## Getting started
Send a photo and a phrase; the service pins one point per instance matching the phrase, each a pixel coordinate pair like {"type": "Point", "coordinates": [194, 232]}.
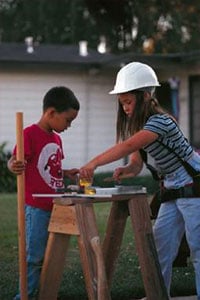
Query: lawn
{"type": "Point", "coordinates": [127, 282]}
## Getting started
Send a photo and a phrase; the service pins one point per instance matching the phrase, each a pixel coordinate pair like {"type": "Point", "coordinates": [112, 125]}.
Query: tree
{"type": "Point", "coordinates": [153, 26]}
{"type": "Point", "coordinates": [150, 26]}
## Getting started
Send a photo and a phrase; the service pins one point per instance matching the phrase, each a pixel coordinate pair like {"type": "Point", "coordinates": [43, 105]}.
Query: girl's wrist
{"type": "Point", "coordinates": [92, 164]}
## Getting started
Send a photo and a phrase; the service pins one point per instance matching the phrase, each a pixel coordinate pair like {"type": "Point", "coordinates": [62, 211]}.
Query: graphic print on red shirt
{"type": "Point", "coordinates": [43, 174]}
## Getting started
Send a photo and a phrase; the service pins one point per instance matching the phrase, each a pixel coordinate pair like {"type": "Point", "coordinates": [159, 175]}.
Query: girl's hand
{"type": "Point", "coordinates": [119, 172]}
{"type": "Point", "coordinates": [87, 172]}
{"type": "Point", "coordinates": [132, 169]}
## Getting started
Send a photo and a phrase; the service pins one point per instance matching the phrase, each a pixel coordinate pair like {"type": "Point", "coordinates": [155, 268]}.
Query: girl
{"type": "Point", "coordinates": [143, 124]}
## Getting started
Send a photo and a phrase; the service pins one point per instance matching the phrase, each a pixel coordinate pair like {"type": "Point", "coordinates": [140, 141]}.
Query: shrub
{"type": "Point", "coordinates": [7, 179]}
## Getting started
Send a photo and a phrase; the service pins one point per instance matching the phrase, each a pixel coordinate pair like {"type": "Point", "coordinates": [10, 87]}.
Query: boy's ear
{"type": "Point", "coordinates": [51, 111]}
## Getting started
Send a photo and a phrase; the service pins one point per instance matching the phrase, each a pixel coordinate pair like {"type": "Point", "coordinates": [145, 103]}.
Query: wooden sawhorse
{"type": "Point", "coordinates": [76, 216]}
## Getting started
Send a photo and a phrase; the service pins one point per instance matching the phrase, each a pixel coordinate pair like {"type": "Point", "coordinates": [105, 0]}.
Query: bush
{"type": "Point", "coordinates": [7, 179]}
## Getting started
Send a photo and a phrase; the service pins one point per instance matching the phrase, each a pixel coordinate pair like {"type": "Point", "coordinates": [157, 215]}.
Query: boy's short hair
{"type": "Point", "coordinates": [61, 98]}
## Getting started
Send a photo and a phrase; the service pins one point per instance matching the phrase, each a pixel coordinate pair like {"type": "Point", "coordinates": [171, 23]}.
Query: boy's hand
{"type": "Point", "coordinates": [16, 166]}
{"type": "Point", "coordinates": [71, 174]}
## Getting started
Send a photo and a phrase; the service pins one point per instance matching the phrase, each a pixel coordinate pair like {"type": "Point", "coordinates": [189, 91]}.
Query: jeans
{"type": "Point", "coordinates": [37, 221]}
{"type": "Point", "coordinates": [174, 218]}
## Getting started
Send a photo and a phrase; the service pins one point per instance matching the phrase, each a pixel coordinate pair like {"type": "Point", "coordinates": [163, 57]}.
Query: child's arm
{"type": "Point", "coordinates": [15, 166]}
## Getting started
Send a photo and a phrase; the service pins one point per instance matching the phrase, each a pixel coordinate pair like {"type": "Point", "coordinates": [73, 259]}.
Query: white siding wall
{"type": "Point", "coordinates": [94, 129]}
{"type": "Point", "coordinates": [91, 133]}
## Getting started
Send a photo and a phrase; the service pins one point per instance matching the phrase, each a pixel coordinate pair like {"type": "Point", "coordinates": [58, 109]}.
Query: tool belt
{"type": "Point", "coordinates": [187, 191]}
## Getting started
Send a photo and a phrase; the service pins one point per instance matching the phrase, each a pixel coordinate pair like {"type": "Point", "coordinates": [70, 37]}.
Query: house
{"type": "Point", "coordinates": [26, 73]}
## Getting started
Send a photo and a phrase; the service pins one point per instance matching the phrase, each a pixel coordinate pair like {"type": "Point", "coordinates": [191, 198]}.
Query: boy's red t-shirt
{"type": "Point", "coordinates": [43, 173]}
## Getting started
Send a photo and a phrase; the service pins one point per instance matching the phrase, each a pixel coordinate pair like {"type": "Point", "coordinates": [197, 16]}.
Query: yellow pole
{"type": "Point", "coordinates": [21, 209]}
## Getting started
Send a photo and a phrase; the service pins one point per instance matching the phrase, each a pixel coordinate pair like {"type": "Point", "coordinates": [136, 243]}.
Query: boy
{"type": "Point", "coordinates": [43, 174]}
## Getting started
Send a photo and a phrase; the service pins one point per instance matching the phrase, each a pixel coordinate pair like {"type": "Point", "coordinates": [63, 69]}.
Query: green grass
{"type": "Point", "coordinates": [127, 281]}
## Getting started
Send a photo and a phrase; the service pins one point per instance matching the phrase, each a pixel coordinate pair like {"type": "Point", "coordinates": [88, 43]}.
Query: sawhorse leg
{"type": "Point", "coordinates": [150, 268]}
{"type": "Point", "coordinates": [91, 254]}
{"type": "Point", "coordinates": [139, 211]}
{"type": "Point", "coordinates": [74, 220]}
{"type": "Point", "coordinates": [53, 265]}
{"type": "Point", "coordinates": [114, 235]}
{"type": "Point", "coordinates": [61, 226]}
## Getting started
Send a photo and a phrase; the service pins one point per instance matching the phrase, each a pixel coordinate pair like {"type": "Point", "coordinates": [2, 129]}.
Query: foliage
{"type": "Point", "coordinates": [46, 21]}
{"type": "Point", "coordinates": [155, 31]}
{"type": "Point", "coordinates": [152, 26]}
{"type": "Point", "coordinates": [7, 179]}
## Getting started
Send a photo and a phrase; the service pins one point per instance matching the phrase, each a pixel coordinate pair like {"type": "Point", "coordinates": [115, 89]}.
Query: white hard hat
{"type": "Point", "coordinates": [134, 76]}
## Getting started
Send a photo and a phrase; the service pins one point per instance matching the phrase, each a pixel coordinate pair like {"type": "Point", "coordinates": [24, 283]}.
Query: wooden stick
{"type": "Point", "coordinates": [102, 285]}
{"type": "Point", "coordinates": [21, 209]}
